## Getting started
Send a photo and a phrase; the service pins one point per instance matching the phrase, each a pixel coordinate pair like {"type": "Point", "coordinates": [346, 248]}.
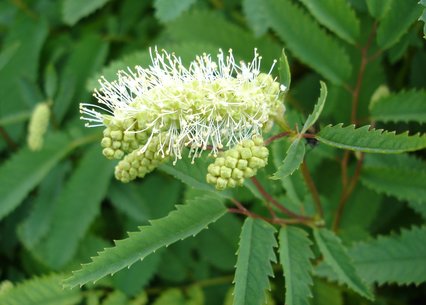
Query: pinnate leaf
{"type": "Point", "coordinates": [186, 220]}
{"type": "Point", "coordinates": [407, 106]}
{"type": "Point", "coordinates": [370, 140]}
{"type": "Point", "coordinates": [293, 159]}
{"type": "Point", "coordinates": [74, 10]}
{"type": "Point", "coordinates": [336, 256]}
{"type": "Point", "coordinates": [395, 23]}
{"type": "Point", "coordinates": [45, 290]}
{"type": "Point", "coordinates": [295, 255]}
{"type": "Point", "coordinates": [337, 16]}
{"type": "Point", "coordinates": [393, 259]}
{"type": "Point", "coordinates": [25, 169]}
{"type": "Point", "coordinates": [166, 10]}
{"type": "Point", "coordinates": [308, 41]}
{"type": "Point", "coordinates": [255, 254]}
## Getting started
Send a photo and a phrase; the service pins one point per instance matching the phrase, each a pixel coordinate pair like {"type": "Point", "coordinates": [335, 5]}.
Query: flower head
{"type": "Point", "coordinates": [212, 104]}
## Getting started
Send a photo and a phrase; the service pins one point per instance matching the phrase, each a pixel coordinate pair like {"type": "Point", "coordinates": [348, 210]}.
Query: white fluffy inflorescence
{"type": "Point", "coordinates": [212, 104]}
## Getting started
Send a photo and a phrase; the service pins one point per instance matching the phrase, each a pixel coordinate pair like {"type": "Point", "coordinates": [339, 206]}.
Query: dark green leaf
{"type": "Point", "coordinates": [378, 8]}
{"type": "Point", "coordinates": [293, 159]}
{"type": "Point", "coordinates": [308, 41]}
{"type": "Point", "coordinates": [295, 255]}
{"type": "Point", "coordinates": [370, 140]}
{"type": "Point", "coordinates": [256, 15]}
{"type": "Point", "coordinates": [167, 11]}
{"type": "Point", "coordinates": [335, 256]}
{"type": "Point", "coordinates": [74, 10]}
{"type": "Point", "coordinates": [319, 106]}
{"type": "Point", "coordinates": [255, 254]}
{"type": "Point", "coordinates": [187, 220]}
{"type": "Point", "coordinates": [336, 15]}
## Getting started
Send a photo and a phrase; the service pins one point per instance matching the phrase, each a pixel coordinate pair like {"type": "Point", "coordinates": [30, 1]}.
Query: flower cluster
{"type": "Point", "coordinates": [211, 105]}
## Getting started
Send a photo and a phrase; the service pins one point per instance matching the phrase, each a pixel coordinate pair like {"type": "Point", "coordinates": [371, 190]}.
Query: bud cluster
{"type": "Point", "coordinates": [234, 165]}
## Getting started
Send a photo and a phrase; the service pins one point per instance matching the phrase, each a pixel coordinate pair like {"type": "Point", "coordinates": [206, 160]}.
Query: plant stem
{"type": "Point", "coordinates": [277, 137]}
{"type": "Point", "coordinates": [312, 188]}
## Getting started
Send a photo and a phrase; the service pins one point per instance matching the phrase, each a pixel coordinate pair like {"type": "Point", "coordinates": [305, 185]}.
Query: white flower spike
{"type": "Point", "coordinates": [212, 104]}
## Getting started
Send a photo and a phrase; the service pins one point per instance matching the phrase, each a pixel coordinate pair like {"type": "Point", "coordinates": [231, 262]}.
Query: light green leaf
{"type": "Point", "coordinates": [401, 176]}
{"type": "Point", "coordinates": [308, 41]}
{"type": "Point", "coordinates": [293, 159]}
{"type": "Point", "coordinates": [295, 255]}
{"type": "Point", "coordinates": [45, 290]}
{"type": "Point", "coordinates": [378, 8]}
{"type": "Point", "coordinates": [393, 259]}
{"type": "Point", "coordinates": [116, 298]}
{"type": "Point", "coordinates": [337, 16]}
{"type": "Point", "coordinates": [256, 15]}
{"type": "Point", "coordinates": [185, 221]}
{"type": "Point", "coordinates": [255, 254]}
{"type": "Point", "coordinates": [406, 106]}
{"type": "Point", "coordinates": [171, 296]}
{"type": "Point", "coordinates": [326, 294]}
{"type": "Point", "coordinates": [74, 10]}
{"type": "Point", "coordinates": [25, 169]}
{"type": "Point", "coordinates": [80, 200]}
{"type": "Point", "coordinates": [166, 10]}
{"type": "Point", "coordinates": [370, 140]}
{"type": "Point", "coordinates": [336, 257]}
{"type": "Point", "coordinates": [319, 106]}
{"type": "Point", "coordinates": [400, 16]}
{"type": "Point", "coordinates": [284, 70]}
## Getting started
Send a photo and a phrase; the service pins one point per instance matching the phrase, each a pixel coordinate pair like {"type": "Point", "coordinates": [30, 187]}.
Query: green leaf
{"type": "Point", "coordinates": [257, 18]}
{"type": "Point", "coordinates": [406, 106]}
{"type": "Point", "coordinates": [337, 16]}
{"type": "Point", "coordinates": [116, 298]}
{"type": "Point", "coordinates": [400, 16]}
{"type": "Point", "coordinates": [401, 176]}
{"type": "Point", "coordinates": [7, 53]}
{"type": "Point", "coordinates": [80, 199]}
{"type": "Point", "coordinates": [74, 10]}
{"type": "Point", "coordinates": [284, 70]}
{"type": "Point", "coordinates": [295, 255]}
{"type": "Point", "coordinates": [255, 254]}
{"type": "Point", "coordinates": [45, 290]}
{"type": "Point", "coordinates": [393, 259]}
{"type": "Point", "coordinates": [335, 256]}
{"type": "Point", "coordinates": [378, 8]}
{"type": "Point", "coordinates": [326, 294]}
{"type": "Point", "coordinates": [423, 17]}
{"type": "Point", "coordinates": [50, 81]}
{"type": "Point", "coordinates": [319, 106]}
{"type": "Point", "coordinates": [185, 221]}
{"type": "Point", "coordinates": [166, 11]}
{"type": "Point", "coordinates": [293, 159]}
{"type": "Point", "coordinates": [370, 140]}
{"type": "Point", "coordinates": [25, 169]}
{"type": "Point", "coordinates": [308, 41]}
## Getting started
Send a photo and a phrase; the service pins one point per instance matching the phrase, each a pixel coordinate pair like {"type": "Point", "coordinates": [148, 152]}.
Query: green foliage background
{"type": "Point", "coordinates": [60, 205]}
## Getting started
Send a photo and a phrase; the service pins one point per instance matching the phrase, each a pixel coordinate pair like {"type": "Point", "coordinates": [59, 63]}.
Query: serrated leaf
{"type": "Point", "coordinates": [166, 11]}
{"type": "Point", "coordinates": [335, 255]}
{"type": "Point", "coordinates": [80, 199]}
{"type": "Point", "coordinates": [308, 41]}
{"type": "Point", "coordinates": [255, 254]}
{"type": "Point", "coordinates": [185, 221]}
{"type": "Point", "coordinates": [293, 159]}
{"type": "Point", "coordinates": [400, 16]}
{"type": "Point", "coordinates": [337, 16]}
{"type": "Point", "coordinates": [284, 71]}
{"type": "Point", "coordinates": [74, 10]}
{"type": "Point", "coordinates": [295, 255]}
{"type": "Point", "coordinates": [45, 290]}
{"type": "Point", "coordinates": [370, 140]}
{"type": "Point", "coordinates": [407, 106]}
{"type": "Point", "coordinates": [393, 259]}
{"type": "Point", "coordinates": [25, 169]}
{"type": "Point", "coordinates": [378, 8]}
{"type": "Point", "coordinates": [256, 15]}
{"type": "Point", "coordinates": [401, 176]}
{"type": "Point", "coordinates": [319, 106]}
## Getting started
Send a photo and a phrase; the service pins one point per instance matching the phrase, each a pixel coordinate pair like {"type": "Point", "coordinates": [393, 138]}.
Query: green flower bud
{"type": "Point", "coordinates": [38, 126]}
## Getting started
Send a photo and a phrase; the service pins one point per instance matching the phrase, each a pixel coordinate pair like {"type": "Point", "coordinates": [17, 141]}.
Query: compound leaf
{"type": "Point", "coordinates": [295, 255]}
{"type": "Point", "coordinates": [186, 220]}
{"type": "Point", "coordinates": [408, 106]}
{"type": "Point", "coordinates": [255, 254]}
{"type": "Point", "coordinates": [308, 41]}
{"type": "Point", "coordinates": [337, 16]}
{"type": "Point", "coordinates": [336, 257]}
{"type": "Point", "coordinates": [370, 140]}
